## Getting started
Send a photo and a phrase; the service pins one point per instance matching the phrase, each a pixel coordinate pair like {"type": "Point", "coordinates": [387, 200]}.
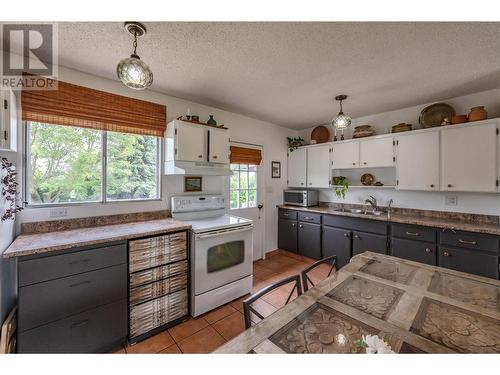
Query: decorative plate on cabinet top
{"type": "Point", "coordinates": [434, 114]}
{"type": "Point", "coordinates": [320, 134]}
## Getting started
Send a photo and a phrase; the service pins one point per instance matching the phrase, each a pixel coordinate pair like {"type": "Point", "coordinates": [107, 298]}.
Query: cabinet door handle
{"type": "Point", "coordinates": [285, 214]}
{"type": "Point", "coordinates": [427, 250]}
{"type": "Point", "coordinates": [308, 218]}
{"type": "Point", "coordinates": [346, 235]}
{"type": "Point", "coordinates": [353, 163]}
{"type": "Point", "coordinates": [365, 163]}
{"type": "Point", "coordinates": [301, 226]}
{"type": "Point", "coordinates": [302, 183]}
{"type": "Point", "coordinates": [467, 242]}
{"type": "Point", "coordinates": [413, 234]}
{"type": "Point", "coordinates": [293, 225]}
{"type": "Point", "coordinates": [356, 236]}
{"type": "Point", "coordinates": [432, 185]}
{"type": "Point", "coordinates": [200, 156]}
{"type": "Point", "coordinates": [446, 254]}
{"type": "Point", "coordinates": [215, 156]}
{"type": "Point", "coordinates": [79, 324]}
{"type": "Point", "coordinates": [450, 185]}
{"type": "Point", "coordinates": [80, 283]}
{"type": "Point", "coordinates": [78, 261]}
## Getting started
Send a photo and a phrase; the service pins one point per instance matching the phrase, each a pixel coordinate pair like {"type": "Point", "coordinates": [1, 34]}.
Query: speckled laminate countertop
{"type": "Point", "coordinates": [408, 218]}
{"type": "Point", "coordinates": [38, 243]}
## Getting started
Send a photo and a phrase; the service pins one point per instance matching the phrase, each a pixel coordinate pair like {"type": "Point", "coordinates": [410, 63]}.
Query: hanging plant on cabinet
{"type": "Point", "coordinates": [9, 189]}
{"type": "Point", "coordinates": [294, 142]}
{"type": "Point", "coordinates": [341, 184]}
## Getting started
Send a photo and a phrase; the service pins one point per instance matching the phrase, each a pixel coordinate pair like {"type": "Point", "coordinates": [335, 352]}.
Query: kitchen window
{"type": "Point", "coordinates": [69, 164]}
{"type": "Point", "coordinates": [243, 186]}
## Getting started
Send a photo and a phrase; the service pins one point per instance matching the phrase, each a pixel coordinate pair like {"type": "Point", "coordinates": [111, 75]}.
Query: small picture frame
{"type": "Point", "coordinates": [275, 169]}
{"type": "Point", "coordinates": [192, 184]}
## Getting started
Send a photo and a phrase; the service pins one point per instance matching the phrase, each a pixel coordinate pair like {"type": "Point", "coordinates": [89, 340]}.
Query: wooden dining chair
{"type": "Point", "coordinates": [306, 280]}
{"type": "Point", "coordinates": [247, 304]}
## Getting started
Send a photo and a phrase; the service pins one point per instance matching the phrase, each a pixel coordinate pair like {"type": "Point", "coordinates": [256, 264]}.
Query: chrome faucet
{"type": "Point", "coordinates": [372, 201]}
{"type": "Point", "coordinates": [389, 208]}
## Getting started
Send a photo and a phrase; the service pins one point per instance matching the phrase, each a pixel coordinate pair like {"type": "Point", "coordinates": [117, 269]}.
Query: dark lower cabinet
{"type": "Point", "coordinates": [470, 261]}
{"type": "Point", "coordinates": [362, 242]}
{"type": "Point", "coordinates": [287, 235]}
{"type": "Point", "coordinates": [309, 240]}
{"type": "Point", "coordinates": [418, 251]}
{"type": "Point", "coordinates": [336, 241]}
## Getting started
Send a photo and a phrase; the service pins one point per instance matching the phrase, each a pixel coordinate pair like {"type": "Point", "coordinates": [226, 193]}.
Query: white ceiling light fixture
{"type": "Point", "coordinates": [132, 71]}
{"type": "Point", "coordinates": [342, 120]}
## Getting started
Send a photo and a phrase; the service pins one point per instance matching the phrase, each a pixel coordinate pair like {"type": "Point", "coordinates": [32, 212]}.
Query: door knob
{"type": "Point", "coordinates": [260, 206]}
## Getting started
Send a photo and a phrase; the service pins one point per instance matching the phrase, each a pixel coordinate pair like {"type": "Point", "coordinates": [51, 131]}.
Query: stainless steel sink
{"type": "Point", "coordinates": [359, 211]}
{"type": "Point", "coordinates": [374, 213]}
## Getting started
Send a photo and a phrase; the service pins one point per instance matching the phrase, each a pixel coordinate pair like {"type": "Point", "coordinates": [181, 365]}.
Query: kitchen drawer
{"type": "Point", "coordinates": [308, 217]}
{"type": "Point", "coordinates": [156, 251]}
{"type": "Point", "coordinates": [56, 299]}
{"type": "Point", "coordinates": [470, 240]}
{"type": "Point", "coordinates": [55, 266]}
{"type": "Point", "coordinates": [287, 214]}
{"type": "Point", "coordinates": [92, 331]}
{"type": "Point", "coordinates": [157, 289]}
{"type": "Point", "coordinates": [414, 232]}
{"type": "Point", "coordinates": [362, 242]}
{"type": "Point", "coordinates": [155, 313]}
{"type": "Point", "coordinates": [365, 225]}
{"type": "Point", "coordinates": [469, 261]}
{"type": "Point", "coordinates": [418, 251]}
{"type": "Point", "coordinates": [158, 273]}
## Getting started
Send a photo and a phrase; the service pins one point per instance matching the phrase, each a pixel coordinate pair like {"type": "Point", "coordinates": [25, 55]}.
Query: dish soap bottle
{"type": "Point", "coordinates": [211, 120]}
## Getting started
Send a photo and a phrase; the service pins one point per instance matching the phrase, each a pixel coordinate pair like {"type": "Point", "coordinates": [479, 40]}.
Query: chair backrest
{"type": "Point", "coordinates": [247, 304]}
{"type": "Point", "coordinates": [306, 280]}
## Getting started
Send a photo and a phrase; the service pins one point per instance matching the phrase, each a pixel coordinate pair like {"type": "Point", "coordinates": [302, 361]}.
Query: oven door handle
{"type": "Point", "coordinates": [224, 231]}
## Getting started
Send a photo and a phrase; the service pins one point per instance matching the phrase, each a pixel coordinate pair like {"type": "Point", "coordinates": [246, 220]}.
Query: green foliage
{"type": "Point", "coordinates": [341, 185]}
{"type": "Point", "coordinates": [294, 142]}
{"type": "Point", "coordinates": [66, 165]}
{"type": "Point", "coordinates": [361, 343]}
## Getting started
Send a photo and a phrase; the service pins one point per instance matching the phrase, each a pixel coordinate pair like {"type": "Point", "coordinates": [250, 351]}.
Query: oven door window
{"type": "Point", "coordinates": [225, 255]}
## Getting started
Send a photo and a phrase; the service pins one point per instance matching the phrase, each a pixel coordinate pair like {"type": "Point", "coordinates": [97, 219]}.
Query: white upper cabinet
{"type": "Point", "coordinates": [297, 168]}
{"type": "Point", "coordinates": [345, 155]}
{"type": "Point", "coordinates": [8, 121]}
{"type": "Point", "coordinates": [189, 142]}
{"type": "Point", "coordinates": [218, 146]}
{"type": "Point", "coordinates": [318, 166]}
{"type": "Point", "coordinates": [376, 153]}
{"type": "Point", "coordinates": [418, 161]}
{"type": "Point", "coordinates": [469, 158]}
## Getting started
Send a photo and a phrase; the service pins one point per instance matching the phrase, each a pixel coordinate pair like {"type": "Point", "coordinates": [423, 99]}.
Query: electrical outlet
{"type": "Point", "coordinates": [451, 200]}
{"type": "Point", "coordinates": [58, 212]}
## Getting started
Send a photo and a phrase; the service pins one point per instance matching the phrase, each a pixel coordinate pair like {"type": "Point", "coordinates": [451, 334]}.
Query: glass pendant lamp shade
{"type": "Point", "coordinates": [342, 121]}
{"type": "Point", "coordinates": [134, 73]}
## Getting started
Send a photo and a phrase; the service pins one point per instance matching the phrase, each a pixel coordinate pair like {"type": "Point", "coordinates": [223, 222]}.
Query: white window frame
{"type": "Point", "coordinates": [104, 199]}
{"type": "Point", "coordinates": [247, 189]}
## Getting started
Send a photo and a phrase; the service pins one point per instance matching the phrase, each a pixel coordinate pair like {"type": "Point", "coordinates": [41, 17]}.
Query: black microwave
{"type": "Point", "coordinates": [304, 198]}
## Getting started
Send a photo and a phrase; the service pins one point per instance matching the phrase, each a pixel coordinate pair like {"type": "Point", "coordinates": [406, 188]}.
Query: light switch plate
{"type": "Point", "coordinates": [58, 212]}
{"type": "Point", "coordinates": [451, 200]}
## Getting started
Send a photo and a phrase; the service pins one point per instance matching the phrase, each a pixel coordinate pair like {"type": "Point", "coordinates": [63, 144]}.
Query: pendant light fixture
{"type": "Point", "coordinates": [132, 71]}
{"type": "Point", "coordinates": [342, 121]}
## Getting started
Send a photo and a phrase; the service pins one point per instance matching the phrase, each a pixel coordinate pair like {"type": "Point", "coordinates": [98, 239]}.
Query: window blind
{"type": "Point", "coordinates": [243, 155]}
{"type": "Point", "coordinates": [73, 105]}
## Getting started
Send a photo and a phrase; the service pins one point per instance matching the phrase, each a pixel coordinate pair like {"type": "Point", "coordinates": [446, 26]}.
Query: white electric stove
{"type": "Point", "coordinates": [221, 251]}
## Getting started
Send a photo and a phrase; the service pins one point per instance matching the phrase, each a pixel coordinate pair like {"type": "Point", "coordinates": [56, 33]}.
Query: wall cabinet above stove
{"type": "Point", "coordinates": [196, 149]}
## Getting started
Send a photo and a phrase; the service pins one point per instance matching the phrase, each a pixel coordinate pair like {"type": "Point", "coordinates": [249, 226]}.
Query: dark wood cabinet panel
{"type": "Point", "coordinates": [336, 241]}
{"type": "Point", "coordinates": [309, 240]}
{"type": "Point", "coordinates": [470, 261]}
{"type": "Point", "coordinates": [418, 251]}
{"type": "Point", "coordinates": [362, 242]}
{"type": "Point", "coordinates": [414, 232]}
{"type": "Point", "coordinates": [287, 235]}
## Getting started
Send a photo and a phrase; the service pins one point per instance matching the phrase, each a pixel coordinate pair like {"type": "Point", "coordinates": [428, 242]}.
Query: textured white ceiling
{"type": "Point", "coordinates": [288, 73]}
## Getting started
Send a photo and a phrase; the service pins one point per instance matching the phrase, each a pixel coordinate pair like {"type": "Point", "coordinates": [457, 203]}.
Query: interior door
{"type": "Point", "coordinates": [297, 168]}
{"type": "Point", "coordinates": [418, 161]}
{"type": "Point", "coordinates": [190, 143]}
{"type": "Point", "coordinates": [376, 153]}
{"type": "Point", "coordinates": [247, 199]}
{"type": "Point", "coordinates": [469, 158]}
{"type": "Point", "coordinates": [218, 146]}
{"type": "Point", "coordinates": [318, 166]}
{"type": "Point", "coordinates": [345, 155]}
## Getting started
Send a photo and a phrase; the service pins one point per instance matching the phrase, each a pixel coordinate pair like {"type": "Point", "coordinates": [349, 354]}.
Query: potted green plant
{"type": "Point", "coordinates": [340, 186]}
{"type": "Point", "coordinates": [294, 142]}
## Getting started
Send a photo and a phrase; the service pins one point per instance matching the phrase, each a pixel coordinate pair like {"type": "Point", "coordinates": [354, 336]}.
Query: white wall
{"type": "Point", "coordinates": [241, 128]}
{"type": "Point", "coordinates": [482, 203]}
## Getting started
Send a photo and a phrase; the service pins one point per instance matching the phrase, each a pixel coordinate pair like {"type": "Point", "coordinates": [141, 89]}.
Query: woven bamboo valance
{"type": "Point", "coordinates": [74, 105]}
{"type": "Point", "coordinates": [243, 155]}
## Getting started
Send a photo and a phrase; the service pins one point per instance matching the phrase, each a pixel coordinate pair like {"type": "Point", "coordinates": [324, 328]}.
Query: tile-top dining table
{"type": "Point", "coordinates": [414, 307]}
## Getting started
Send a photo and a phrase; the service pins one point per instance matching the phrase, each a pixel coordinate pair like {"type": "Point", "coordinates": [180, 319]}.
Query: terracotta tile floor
{"type": "Point", "coordinates": [209, 331]}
